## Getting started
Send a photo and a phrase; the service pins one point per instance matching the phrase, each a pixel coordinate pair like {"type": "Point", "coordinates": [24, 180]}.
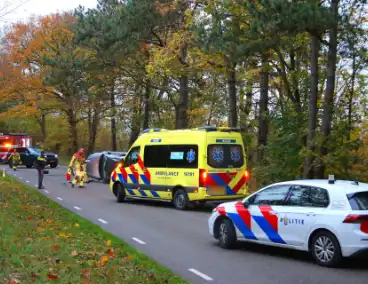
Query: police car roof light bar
{"type": "Point", "coordinates": [331, 179]}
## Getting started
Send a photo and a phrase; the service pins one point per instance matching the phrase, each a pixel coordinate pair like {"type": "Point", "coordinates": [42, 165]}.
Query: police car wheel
{"type": "Point", "coordinates": [181, 200]}
{"type": "Point", "coordinates": [325, 249]}
{"type": "Point", "coordinates": [120, 193]}
{"type": "Point", "coordinates": [226, 234]}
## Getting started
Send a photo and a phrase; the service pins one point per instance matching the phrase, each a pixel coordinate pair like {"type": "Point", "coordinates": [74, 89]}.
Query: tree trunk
{"type": "Point", "coordinates": [136, 115]}
{"type": "Point", "coordinates": [146, 114]}
{"type": "Point", "coordinates": [182, 107]}
{"type": "Point", "coordinates": [263, 108]}
{"type": "Point", "coordinates": [312, 119]}
{"type": "Point", "coordinates": [231, 83]}
{"type": "Point", "coordinates": [113, 120]}
{"type": "Point", "coordinates": [42, 122]}
{"type": "Point", "coordinates": [330, 90]}
{"type": "Point", "coordinates": [72, 120]}
{"type": "Point", "coordinates": [93, 122]}
{"type": "Point", "coordinates": [351, 96]}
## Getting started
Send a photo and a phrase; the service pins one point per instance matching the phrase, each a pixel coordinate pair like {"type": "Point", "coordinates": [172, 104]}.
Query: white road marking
{"type": "Point", "coordinates": [27, 181]}
{"type": "Point", "coordinates": [139, 241]}
{"type": "Point", "coordinates": [20, 177]}
{"type": "Point", "coordinates": [46, 191]}
{"type": "Point", "coordinates": [102, 221]}
{"type": "Point", "coordinates": [59, 198]}
{"type": "Point", "coordinates": [78, 208]}
{"type": "Point", "coordinates": [36, 185]}
{"type": "Point", "coordinates": [200, 274]}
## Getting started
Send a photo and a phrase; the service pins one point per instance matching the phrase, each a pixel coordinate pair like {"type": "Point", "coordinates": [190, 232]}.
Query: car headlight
{"type": "Point", "coordinates": [56, 156]}
{"type": "Point", "coordinates": [214, 210]}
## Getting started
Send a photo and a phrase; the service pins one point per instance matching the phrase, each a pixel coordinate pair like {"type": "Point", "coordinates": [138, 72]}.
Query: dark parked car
{"type": "Point", "coordinates": [100, 165]}
{"type": "Point", "coordinates": [29, 156]}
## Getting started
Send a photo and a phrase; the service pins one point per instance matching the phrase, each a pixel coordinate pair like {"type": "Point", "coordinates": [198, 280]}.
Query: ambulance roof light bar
{"type": "Point", "coordinates": [223, 129]}
{"type": "Point", "coordinates": [331, 179]}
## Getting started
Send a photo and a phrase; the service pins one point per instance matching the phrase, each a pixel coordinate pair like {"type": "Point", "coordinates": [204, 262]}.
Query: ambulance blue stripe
{"type": "Point", "coordinates": [269, 231]}
{"type": "Point", "coordinates": [217, 179]}
{"type": "Point", "coordinates": [132, 177]}
{"type": "Point", "coordinates": [243, 228]}
{"type": "Point", "coordinates": [121, 178]}
{"type": "Point", "coordinates": [142, 193]}
{"type": "Point", "coordinates": [131, 192]}
{"type": "Point", "coordinates": [155, 194]}
{"type": "Point", "coordinates": [145, 179]}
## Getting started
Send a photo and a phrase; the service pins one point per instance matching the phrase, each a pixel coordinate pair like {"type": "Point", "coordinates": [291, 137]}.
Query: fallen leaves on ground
{"type": "Point", "coordinates": [44, 243]}
{"type": "Point", "coordinates": [52, 276]}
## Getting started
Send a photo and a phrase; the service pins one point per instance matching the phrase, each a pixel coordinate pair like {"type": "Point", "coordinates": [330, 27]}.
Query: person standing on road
{"type": "Point", "coordinates": [78, 164]}
{"type": "Point", "coordinates": [40, 166]}
{"type": "Point", "coordinates": [14, 159]}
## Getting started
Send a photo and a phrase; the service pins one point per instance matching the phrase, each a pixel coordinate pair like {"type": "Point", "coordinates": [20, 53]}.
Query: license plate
{"type": "Point", "coordinates": [217, 190]}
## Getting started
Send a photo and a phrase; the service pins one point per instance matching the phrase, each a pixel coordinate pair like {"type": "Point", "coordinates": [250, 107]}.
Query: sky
{"type": "Point", "coordinates": [11, 13]}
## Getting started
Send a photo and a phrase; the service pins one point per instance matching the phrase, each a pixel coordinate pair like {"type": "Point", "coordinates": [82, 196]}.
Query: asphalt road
{"type": "Point", "coordinates": [180, 239]}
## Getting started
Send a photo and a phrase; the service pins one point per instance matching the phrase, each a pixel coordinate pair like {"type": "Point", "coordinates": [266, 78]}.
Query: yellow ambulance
{"type": "Point", "coordinates": [184, 167]}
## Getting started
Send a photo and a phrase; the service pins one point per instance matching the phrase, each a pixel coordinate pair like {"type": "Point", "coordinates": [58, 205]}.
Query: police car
{"type": "Point", "coordinates": [328, 218]}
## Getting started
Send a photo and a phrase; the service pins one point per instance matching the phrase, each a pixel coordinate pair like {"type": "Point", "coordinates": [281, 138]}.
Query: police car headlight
{"type": "Point", "coordinates": [214, 210]}
{"type": "Point", "coordinates": [56, 156]}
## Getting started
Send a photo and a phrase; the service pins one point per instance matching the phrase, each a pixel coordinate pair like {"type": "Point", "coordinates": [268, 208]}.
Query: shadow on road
{"type": "Point", "coordinates": [357, 263]}
{"type": "Point", "coordinates": [207, 208]}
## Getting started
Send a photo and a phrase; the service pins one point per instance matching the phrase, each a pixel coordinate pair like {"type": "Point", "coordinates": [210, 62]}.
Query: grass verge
{"type": "Point", "coordinates": [41, 242]}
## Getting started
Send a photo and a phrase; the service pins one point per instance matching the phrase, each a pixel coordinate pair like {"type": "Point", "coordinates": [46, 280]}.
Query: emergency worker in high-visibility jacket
{"type": "Point", "coordinates": [14, 159]}
{"type": "Point", "coordinates": [78, 164]}
{"type": "Point", "coordinates": [40, 166]}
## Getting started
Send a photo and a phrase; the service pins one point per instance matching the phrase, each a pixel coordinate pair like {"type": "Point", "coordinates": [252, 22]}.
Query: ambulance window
{"type": "Point", "coordinates": [132, 158]}
{"type": "Point", "coordinates": [183, 156]}
{"type": "Point", "coordinates": [156, 156]}
{"type": "Point", "coordinates": [225, 156]}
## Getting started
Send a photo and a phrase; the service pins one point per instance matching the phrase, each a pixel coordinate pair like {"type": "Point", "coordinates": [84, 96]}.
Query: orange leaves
{"type": "Point", "coordinates": [74, 253]}
{"type": "Point", "coordinates": [104, 259]}
{"type": "Point", "coordinates": [52, 276]}
{"type": "Point", "coordinates": [55, 247]}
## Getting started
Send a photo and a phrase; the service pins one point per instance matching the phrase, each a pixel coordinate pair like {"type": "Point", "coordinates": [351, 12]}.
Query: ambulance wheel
{"type": "Point", "coordinates": [226, 234]}
{"type": "Point", "coordinates": [120, 193]}
{"type": "Point", "coordinates": [181, 200]}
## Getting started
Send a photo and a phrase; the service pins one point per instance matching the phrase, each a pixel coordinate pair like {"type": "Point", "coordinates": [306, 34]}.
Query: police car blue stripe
{"type": "Point", "coordinates": [243, 228]}
{"type": "Point", "coordinates": [154, 193]}
{"type": "Point", "coordinates": [112, 179]}
{"type": "Point", "coordinates": [220, 181]}
{"type": "Point", "coordinates": [121, 177]}
{"type": "Point", "coordinates": [145, 180]}
{"type": "Point", "coordinates": [131, 192]}
{"type": "Point", "coordinates": [132, 177]}
{"type": "Point", "coordinates": [269, 231]}
{"type": "Point", "coordinates": [142, 193]}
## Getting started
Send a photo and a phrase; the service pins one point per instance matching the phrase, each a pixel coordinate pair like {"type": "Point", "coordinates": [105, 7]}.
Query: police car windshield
{"type": "Point", "coordinates": [225, 156]}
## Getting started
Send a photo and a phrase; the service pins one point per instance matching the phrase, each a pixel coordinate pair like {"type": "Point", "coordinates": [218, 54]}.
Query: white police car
{"type": "Point", "coordinates": [328, 218]}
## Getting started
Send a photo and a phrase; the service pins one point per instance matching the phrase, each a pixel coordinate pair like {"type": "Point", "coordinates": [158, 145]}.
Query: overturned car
{"type": "Point", "coordinates": [100, 165]}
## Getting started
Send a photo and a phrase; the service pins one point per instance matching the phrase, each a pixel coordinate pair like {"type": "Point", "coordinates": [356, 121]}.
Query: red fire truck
{"type": "Point", "coordinates": [9, 140]}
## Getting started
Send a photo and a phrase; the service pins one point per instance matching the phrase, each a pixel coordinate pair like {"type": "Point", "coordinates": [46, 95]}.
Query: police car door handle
{"type": "Point", "coordinates": [311, 214]}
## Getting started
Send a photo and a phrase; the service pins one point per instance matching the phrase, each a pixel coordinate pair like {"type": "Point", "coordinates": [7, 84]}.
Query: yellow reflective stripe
{"type": "Point", "coordinates": [41, 159]}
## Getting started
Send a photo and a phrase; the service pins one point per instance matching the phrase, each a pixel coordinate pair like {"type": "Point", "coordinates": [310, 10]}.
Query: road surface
{"type": "Point", "coordinates": [180, 240]}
